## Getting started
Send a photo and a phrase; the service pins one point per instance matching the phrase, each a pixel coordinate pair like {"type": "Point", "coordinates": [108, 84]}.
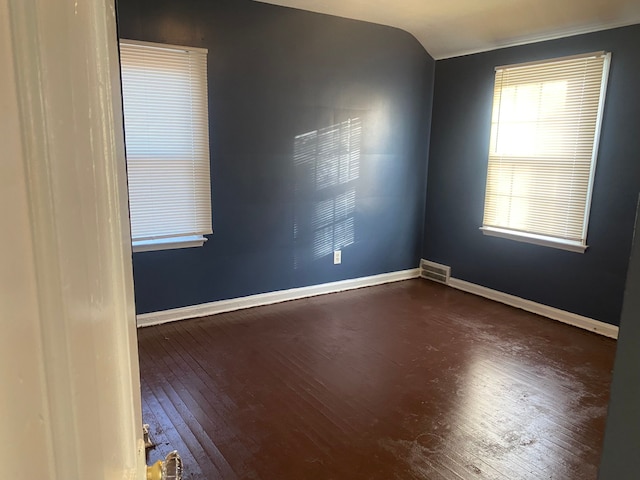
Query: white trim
{"type": "Point", "coordinates": [212, 308]}
{"type": "Point", "coordinates": [513, 66]}
{"type": "Point", "coordinates": [163, 46]}
{"type": "Point", "coordinates": [541, 38]}
{"type": "Point", "coordinates": [596, 140]}
{"type": "Point", "coordinates": [64, 61]}
{"type": "Point", "coordinates": [563, 316]}
{"type": "Point", "coordinates": [168, 243]}
{"type": "Point", "coordinates": [562, 244]}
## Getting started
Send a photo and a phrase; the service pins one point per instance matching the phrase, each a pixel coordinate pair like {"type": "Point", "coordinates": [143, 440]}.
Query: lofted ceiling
{"type": "Point", "coordinates": [449, 28]}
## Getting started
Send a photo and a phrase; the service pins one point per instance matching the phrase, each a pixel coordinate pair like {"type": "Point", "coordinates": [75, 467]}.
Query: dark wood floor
{"type": "Point", "coordinates": [411, 380]}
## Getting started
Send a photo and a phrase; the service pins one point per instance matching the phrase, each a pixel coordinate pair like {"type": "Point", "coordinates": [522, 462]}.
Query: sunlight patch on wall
{"type": "Point", "coordinates": [332, 222]}
{"type": "Point", "coordinates": [327, 162]}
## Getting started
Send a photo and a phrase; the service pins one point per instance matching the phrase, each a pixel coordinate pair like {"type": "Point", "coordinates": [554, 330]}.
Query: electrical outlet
{"type": "Point", "coordinates": [337, 257]}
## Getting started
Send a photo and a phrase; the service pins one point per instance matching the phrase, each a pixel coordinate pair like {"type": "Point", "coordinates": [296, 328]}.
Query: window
{"type": "Point", "coordinates": [166, 121]}
{"type": "Point", "coordinates": [543, 147]}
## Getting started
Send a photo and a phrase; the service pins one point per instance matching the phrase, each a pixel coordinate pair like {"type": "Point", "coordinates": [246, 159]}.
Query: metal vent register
{"type": "Point", "coordinates": [435, 271]}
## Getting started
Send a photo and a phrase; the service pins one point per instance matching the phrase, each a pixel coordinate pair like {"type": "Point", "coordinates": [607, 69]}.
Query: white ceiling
{"type": "Point", "coordinates": [449, 28]}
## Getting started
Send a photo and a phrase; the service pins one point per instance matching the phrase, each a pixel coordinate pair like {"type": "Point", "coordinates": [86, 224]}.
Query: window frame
{"type": "Point", "coordinates": [541, 239]}
{"type": "Point", "coordinates": [164, 242]}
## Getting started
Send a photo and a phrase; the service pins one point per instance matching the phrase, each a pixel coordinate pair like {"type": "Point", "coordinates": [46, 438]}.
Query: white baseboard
{"type": "Point", "coordinates": [563, 316]}
{"type": "Point", "coordinates": [212, 308]}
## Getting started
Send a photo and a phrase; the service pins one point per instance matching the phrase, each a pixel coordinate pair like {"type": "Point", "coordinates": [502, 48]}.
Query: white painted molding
{"type": "Point", "coordinates": [68, 184]}
{"type": "Point", "coordinates": [563, 316]}
{"type": "Point", "coordinates": [212, 308]}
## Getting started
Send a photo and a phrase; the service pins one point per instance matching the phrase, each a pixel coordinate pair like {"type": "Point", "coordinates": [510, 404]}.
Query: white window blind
{"type": "Point", "coordinates": [543, 147]}
{"type": "Point", "coordinates": [167, 140]}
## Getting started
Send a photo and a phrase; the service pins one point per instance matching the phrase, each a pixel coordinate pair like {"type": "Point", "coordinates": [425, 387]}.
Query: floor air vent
{"type": "Point", "coordinates": [435, 271]}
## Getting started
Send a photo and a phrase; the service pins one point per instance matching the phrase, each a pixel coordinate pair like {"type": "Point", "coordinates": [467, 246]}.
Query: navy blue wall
{"type": "Point", "coordinates": [589, 284]}
{"type": "Point", "coordinates": [275, 74]}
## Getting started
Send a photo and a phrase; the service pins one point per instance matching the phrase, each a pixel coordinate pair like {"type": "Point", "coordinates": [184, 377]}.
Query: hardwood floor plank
{"type": "Point", "coordinates": [411, 380]}
{"type": "Point", "coordinates": [174, 438]}
{"type": "Point", "coordinates": [197, 419]}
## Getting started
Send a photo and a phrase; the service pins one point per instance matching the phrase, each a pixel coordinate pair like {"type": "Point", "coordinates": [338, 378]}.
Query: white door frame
{"type": "Point", "coordinates": [69, 376]}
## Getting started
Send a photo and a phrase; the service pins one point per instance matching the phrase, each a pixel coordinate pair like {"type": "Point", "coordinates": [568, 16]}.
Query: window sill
{"type": "Point", "coordinates": [542, 240]}
{"type": "Point", "coordinates": [168, 243]}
